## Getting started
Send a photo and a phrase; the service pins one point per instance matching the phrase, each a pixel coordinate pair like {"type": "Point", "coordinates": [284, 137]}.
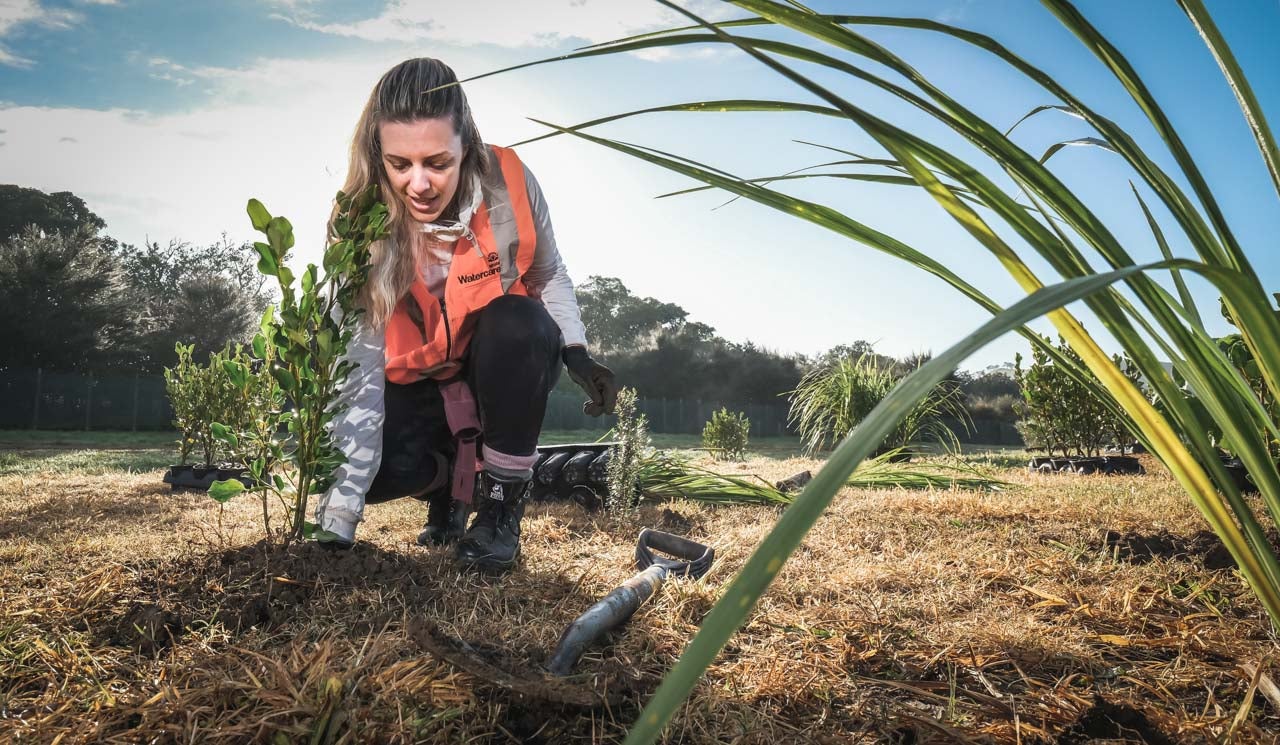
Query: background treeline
{"type": "Point", "coordinates": [76, 300]}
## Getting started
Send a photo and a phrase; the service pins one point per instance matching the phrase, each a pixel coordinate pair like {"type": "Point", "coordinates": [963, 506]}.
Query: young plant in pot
{"type": "Point", "coordinates": [180, 385]}
{"type": "Point", "coordinates": [199, 394]}
{"type": "Point", "coordinates": [1061, 414]}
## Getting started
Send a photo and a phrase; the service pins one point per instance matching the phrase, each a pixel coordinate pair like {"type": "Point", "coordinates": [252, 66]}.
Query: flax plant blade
{"type": "Point", "coordinates": [1221, 51]}
{"type": "Point", "coordinates": [849, 228]}
{"type": "Point", "coordinates": [720, 107]}
{"type": "Point", "coordinates": [1262, 339]}
{"type": "Point", "coordinates": [731, 610]}
{"type": "Point", "coordinates": [1188, 302]}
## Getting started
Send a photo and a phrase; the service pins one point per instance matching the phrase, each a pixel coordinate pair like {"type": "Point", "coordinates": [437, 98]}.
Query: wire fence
{"type": "Point", "coordinates": [40, 399]}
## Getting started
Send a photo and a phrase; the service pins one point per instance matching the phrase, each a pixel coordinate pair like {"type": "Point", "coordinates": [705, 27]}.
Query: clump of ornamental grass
{"type": "Point", "coordinates": [833, 398]}
{"type": "Point", "coordinates": [1027, 221]}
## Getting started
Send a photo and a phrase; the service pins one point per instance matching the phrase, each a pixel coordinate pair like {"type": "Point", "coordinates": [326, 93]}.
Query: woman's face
{"type": "Point", "coordinates": [423, 162]}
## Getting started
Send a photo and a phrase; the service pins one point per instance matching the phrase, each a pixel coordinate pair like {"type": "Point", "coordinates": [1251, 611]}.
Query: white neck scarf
{"type": "Point", "coordinates": [449, 231]}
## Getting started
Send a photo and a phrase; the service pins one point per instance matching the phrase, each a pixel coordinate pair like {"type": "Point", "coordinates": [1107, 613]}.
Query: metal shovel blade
{"type": "Point", "coordinates": [685, 558]}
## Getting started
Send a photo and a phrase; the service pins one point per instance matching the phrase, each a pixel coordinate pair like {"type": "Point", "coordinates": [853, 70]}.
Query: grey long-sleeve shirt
{"type": "Point", "coordinates": [357, 430]}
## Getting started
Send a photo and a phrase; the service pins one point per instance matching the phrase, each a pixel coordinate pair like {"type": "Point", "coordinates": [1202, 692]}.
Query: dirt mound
{"type": "Point", "coordinates": [1204, 545]}
{"type": "Point", "coordinates": [1114, 722]}
{"type": "Point", "coordinates": [260, 585]}
{"type": "Point", "coordinates": [147, 628]}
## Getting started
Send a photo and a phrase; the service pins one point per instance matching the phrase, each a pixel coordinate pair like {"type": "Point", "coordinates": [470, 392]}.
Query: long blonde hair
{"type": "Point", "coordinates": [407, 92]}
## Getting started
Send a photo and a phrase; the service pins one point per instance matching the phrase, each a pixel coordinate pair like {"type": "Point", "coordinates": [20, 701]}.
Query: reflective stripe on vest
{"type": "Point", "coordinates": [419, 341]}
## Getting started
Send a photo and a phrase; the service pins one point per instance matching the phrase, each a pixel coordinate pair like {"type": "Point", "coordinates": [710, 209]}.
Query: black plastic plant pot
{"type": "Point", "coordinates": [598, 471]}
{"type": "Point", "coordinates": [561, 468]}
{"type": "Point", "coordinates": [1239, 474]}
{"type": "Point", "coordinates": [575, 469]}
{"type": "Point", "coordinates": [1114, 465]}
{"type": "Point", "coordinates": [201, 478]}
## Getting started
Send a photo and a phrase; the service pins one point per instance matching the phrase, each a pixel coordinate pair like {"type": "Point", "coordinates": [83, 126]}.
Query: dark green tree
{"type": "Point", "coordinates": [617, 320]}
{"type": "Point", "coordinates": [64, 302]}
{"type": "Point", "coordinates": [185, 293]}
{"type": "Point", "coordinates": [60, 211]}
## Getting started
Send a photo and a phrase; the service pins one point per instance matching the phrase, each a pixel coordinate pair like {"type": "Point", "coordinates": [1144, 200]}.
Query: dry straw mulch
{"type": "Point", "coordinates": [1069, 609]}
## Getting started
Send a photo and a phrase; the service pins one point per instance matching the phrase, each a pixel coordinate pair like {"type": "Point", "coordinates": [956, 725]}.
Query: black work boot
{"type": "Point", "coordinates": [446, 520]}
{"type": "Point", "coordinates": [493, 540]}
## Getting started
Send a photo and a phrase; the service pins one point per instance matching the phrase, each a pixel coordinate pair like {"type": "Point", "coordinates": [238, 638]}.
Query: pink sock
{"type": "Point", "coordinates": [509, 466]}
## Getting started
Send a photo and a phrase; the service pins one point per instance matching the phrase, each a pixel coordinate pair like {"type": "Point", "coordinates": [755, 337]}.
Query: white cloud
{"type": "Point", "coordinates": [14, 13]}
{"type": "Point", "coordinates": [17, 13]}
{"type": "Point", "coordinates": [9, 59]}
{"type": "Point", "coordinates": [506, 23]}
{"type": "Point", "coordinates": [278, 130]}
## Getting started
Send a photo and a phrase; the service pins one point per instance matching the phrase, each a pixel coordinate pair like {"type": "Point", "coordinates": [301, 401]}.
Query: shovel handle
{"type": "Point", "coordinates": [614, 609]}
{"type": "Point", "coordinates": [691, 558]}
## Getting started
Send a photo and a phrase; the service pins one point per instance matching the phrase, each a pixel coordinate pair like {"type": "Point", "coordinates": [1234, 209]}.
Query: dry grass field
{"type": "Point", "coordinates": [1067, 609]}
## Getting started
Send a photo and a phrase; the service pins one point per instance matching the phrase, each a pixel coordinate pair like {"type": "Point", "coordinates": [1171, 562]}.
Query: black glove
{"type": "Point", "coordinates": [594, 378]}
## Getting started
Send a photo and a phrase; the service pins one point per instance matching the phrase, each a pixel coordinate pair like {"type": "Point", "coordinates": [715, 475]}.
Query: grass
{"type": "Point", "coordinates": [23, 439]}
{"type": "Point", "coordinates": [1041, 613]}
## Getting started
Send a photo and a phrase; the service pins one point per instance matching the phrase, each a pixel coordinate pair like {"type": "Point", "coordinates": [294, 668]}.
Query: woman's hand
{"type": "Point", "coordinates": [594, 378]}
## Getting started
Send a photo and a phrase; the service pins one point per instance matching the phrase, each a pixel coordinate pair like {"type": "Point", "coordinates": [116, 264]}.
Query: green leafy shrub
{"type": "Point", "coordinates": [301, 345]}
{"type": "Point", "coordinates": [181, 384]}
{"type": "Point", "coordinates": [199, 395]}
{"type": "Point", "coordinates": [833, 398]}
{"type": "Point", "coordinates": [725, 434]}
{"type": "Point", "coordinates": [1059, 413]}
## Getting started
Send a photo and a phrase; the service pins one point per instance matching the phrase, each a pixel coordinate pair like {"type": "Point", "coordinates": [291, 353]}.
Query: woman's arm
{"type": "Point", "coordinates": [547, 278]}
{"type": "Point", "coordinates": [357, 432]}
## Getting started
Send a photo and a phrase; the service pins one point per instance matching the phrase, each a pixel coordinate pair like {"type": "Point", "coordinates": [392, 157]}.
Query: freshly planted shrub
{"type": "Point", "coordinates": [632, 433]}
{"type": "Point", "coordinates": [301, 345]}
{"type": "Point", "coordinates": [725, 434]}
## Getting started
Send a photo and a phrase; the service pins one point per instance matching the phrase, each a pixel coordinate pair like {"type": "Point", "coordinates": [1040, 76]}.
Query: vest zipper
{"type": "Point", "coordinates": [448, 335]}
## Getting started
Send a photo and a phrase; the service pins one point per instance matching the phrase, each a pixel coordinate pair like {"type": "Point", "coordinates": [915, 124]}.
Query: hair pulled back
{"type": "Point", "coordinates": [421, 88]}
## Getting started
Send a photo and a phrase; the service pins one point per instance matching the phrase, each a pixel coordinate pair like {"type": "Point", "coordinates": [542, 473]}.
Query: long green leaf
{"type": "Point", "coordinates": [718, 107]}
{"type": "Point", "coordinates": [1188, 301]}
{"type": "Point", "coordinates": [768, 558]}
{"type": "Point", "coordinates": [1249, 106]}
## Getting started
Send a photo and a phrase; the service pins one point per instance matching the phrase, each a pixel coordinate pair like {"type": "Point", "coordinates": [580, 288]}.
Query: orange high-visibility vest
{"type": "Point", "coordinates": [424, 339]}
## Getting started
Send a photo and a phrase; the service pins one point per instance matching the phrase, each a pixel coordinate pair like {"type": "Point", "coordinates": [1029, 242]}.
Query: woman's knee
{"type": "Point", "coordinates": [514, 319]}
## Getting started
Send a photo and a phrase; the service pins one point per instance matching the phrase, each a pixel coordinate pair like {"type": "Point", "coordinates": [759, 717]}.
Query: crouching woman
{"type": "Point", "coordinates": [468, 314]}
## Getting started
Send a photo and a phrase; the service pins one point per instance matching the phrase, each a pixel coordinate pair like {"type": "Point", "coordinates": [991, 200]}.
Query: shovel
{"type": "Point", "coordinates": [684, 558]}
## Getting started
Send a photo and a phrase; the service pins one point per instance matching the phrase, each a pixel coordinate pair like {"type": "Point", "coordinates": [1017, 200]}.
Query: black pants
{"type": "Point", "coordinates": [512, 364]}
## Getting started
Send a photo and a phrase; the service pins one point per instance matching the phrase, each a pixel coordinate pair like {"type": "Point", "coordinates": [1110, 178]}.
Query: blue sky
{"type": "Point", "coordinates": [167, 116]}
